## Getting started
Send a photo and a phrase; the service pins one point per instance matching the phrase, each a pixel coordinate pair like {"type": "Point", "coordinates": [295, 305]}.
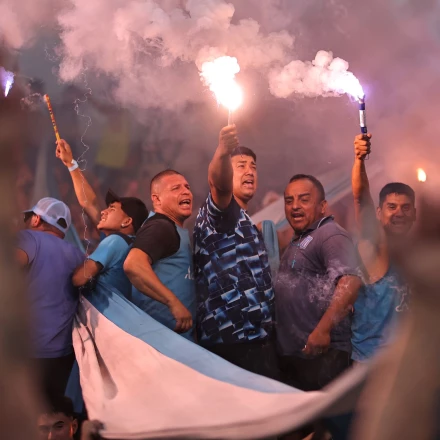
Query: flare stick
{"type": "Point", "coordinates": [362, 115]}
{"type": "Point", "coordinates": [52, 117]}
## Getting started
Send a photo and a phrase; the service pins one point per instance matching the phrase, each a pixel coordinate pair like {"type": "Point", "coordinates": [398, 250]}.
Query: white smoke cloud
{"type": "Point", "coordinates": [145, 45]}
{"type": "Point", "coordinates": [20, 20]}
{"type": "Point", "coordinates": [324, 76]}
{"type": "Point", "coordinates": [152, 50]}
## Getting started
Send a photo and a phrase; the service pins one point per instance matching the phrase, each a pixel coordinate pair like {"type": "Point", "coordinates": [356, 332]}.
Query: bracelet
{"type": "Point", "coordinates": [74, 165]}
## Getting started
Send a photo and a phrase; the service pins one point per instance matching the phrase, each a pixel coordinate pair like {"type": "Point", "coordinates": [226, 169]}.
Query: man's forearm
{"type": "Point", "coordinates": [85, 272]}
{"type": "Point", "coordinates": [344, 297]}
{"type": "Point", "coordinates": [86, 195]}
{"type": "Point", "coordinates": [220, 173]}
{"type": "Point", "coordinates": [364, 210]}
{"type": "Point", "coordinates": [360, 183]}
{"type": "Point", "coordinates": [146, 281]}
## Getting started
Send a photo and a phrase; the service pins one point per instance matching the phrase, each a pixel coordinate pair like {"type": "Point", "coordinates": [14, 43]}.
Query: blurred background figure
{"type": "Point", "coordinates": [58, 422]}
{"type": "Point", "coordinates": [49, 262]}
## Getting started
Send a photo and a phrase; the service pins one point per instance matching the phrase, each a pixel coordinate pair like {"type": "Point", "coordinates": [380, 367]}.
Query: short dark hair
{"type": "Point", "coordinates": [47, 227]}
{"type": "Point", "coordinates": [164, 173]}
{"type": "Point", "coordinates": [61, 405]}
{"type": "Point", "coordinates": [396, 188]}
{"type": "Point", "coordinates": [244, 151]}
{"type": "Point", "coordinates": [314, 180]}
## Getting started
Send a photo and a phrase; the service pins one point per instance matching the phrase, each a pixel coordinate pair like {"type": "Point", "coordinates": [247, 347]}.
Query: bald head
{"type": "Point", "coordinates": [156, 181]}
{"type": "Point", "coordinates": [171, 196]}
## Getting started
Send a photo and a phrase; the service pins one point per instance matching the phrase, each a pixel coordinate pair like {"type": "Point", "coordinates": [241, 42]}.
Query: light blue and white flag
{"type": "Point", "coordinates": [144, 381]}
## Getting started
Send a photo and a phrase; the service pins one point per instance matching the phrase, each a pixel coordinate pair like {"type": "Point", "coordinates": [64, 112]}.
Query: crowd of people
{"type": "Point", "coordinates": [326, 304]}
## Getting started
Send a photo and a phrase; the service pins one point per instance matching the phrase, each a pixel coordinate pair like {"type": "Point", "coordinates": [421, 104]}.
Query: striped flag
{"type": "Point", "coordinates": [144, 381]}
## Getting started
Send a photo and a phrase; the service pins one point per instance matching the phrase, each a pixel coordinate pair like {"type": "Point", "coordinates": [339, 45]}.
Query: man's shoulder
{"type": "Point", "coordinates": [115, 240]}
{"type": "Point", "coordinates": [43, 239]}
{"type": "Point", "coordinates": [30, 234]}
{"type": "Point", "coordinates": [210, 211]}
{"type": "Point", "coordinates": [157, 221]}
{"type": "Point", "coordinates": [330, 228]}
{"type": "Point", "coordinates": [112, 243]}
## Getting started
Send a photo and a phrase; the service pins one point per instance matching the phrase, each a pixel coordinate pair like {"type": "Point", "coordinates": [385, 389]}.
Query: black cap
{"type": "Point", "coordinates": [132, 206]}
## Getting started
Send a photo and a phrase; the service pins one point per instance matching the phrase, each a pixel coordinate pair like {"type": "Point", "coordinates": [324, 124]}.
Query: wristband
{"type": "Point", "coordinates": [74, 165]}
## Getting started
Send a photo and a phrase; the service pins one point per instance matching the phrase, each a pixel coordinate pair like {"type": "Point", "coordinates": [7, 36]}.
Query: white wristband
{"type": "Point", "coordinates": [74, 165]}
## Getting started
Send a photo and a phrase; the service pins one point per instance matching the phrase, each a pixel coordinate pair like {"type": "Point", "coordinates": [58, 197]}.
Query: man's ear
{"type": "Point", "coordinates": [36, 221]}
{"type": "Point", "coordinates": [155, 199]}
{"type": "Point", "coordinates": [378, 212]}
{"type": "Point", "coordinates": [324, 206]}
{"type": "Point", "coordinates": [127, 222]}
{"type": "Point", "coordinates": [74, 427]}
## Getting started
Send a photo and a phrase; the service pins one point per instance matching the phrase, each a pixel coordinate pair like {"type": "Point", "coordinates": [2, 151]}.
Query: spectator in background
{"type": "Point", "coordinates": [385, 295]}
{"type": "Point", "coordinates": [316, 287]}
{"type": "Point", "coordinates": [118, 224]}
{"type": "Point", "coordinates": [50, 262]}
{"type": "Point", "coordinates": [59, 422]}
{"type": "Point", "coordinates": [235, 296]}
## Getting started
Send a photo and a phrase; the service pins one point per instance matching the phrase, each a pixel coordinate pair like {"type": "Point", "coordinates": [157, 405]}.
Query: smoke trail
{"type": "Point", "coordinates": [324, 76]}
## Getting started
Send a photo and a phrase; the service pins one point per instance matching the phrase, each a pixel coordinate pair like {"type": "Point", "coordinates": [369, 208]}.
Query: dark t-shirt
{"type": "Point", "coordinates": [309, 271]}
{"type": "Point", "coordinates": [158, 238]}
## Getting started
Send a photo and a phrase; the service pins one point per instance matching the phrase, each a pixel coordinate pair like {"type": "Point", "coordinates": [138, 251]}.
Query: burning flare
{"type": "Point", "coordinates": [349, 84]}
{"type": "Point", "coordinates": [219, 76]}
{"type": "Point", "coordinates": [421, 175]}
{"type": "Point", "coordinates": [7, 79]}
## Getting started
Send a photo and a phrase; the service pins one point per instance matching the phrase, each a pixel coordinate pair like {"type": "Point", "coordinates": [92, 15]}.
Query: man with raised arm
{"type": "Point", "coordinates": [118, 223]}
{"type": "Point", "coordinates": [235, 297]}
{"type": "Point", "coordinates": [385, 295]}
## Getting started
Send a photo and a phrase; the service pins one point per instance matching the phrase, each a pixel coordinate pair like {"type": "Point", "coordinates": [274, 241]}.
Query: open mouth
{"type": "Point", "coordinates": [185, 202]}
{"type": "Point", "coordinates": [297, 216]}
{"type": "Point", "coordinates": [248, 182]}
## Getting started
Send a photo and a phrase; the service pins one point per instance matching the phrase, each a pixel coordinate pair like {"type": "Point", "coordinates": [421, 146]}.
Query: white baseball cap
{"type": "Point", "coordinates": [53, 211]}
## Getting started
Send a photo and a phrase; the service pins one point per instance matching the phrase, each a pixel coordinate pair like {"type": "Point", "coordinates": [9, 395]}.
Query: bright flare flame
{"type": "Point", "coordinates": [8, 86]}
{"type": "Point", "coordinates": [7, 79]}
{"type": "Point", "coordinates": [421, 175]}
{"type": "Point", "coordinates": [219, 76]}
{"type": "Point", "coordinates": [349, 84]}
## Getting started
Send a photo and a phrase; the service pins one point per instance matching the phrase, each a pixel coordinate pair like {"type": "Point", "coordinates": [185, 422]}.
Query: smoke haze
{"type": "Point", "coordinates": [147, 55]}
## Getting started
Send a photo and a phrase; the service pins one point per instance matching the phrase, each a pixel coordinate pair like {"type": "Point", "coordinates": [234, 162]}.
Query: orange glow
{"type": "Point", "coordinates": [421, 175]}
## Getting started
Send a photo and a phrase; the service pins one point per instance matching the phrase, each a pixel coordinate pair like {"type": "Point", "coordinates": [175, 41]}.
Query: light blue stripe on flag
{"type": "Point", "coordinates": [115, 307]}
